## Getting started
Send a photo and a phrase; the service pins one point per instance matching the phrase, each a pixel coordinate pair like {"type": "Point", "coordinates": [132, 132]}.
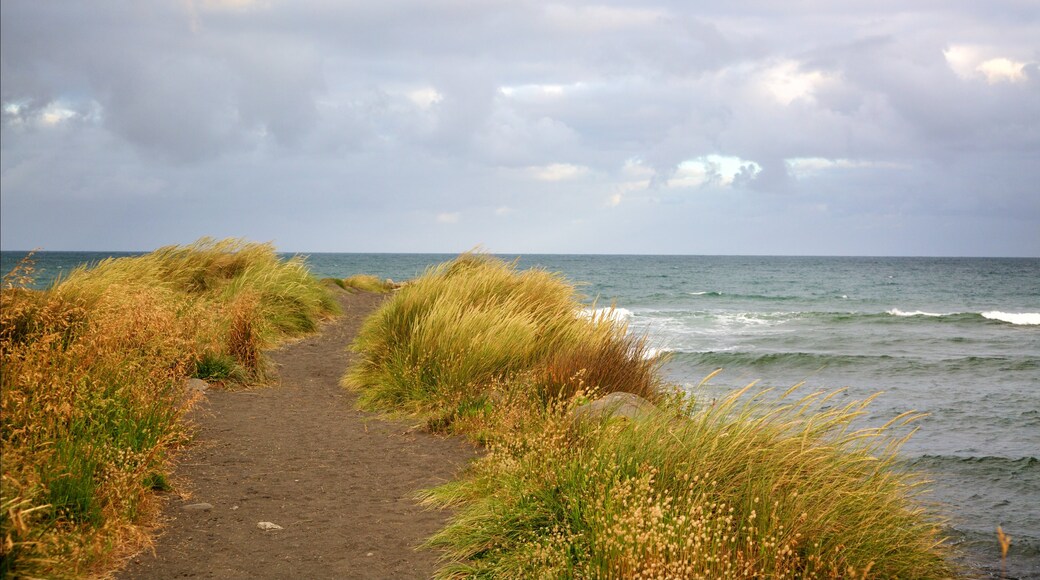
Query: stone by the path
{"type": "Point", "coordinates": [615, 405]}
{"type": "Point", "coordinates": [199, 507]}
{"type": "Point", "coordinates": [197, 385]}
{"type": "Point", "coordinates": [268, 526]}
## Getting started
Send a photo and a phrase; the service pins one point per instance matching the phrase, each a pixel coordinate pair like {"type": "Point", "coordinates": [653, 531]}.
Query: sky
{"type": "Point", "coordinates": [805, 127]}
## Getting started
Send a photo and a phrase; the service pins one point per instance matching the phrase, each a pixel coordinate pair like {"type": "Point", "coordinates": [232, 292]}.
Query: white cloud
{"type": "Point", "coordinates": [56, 115]}
{"type": "Point", "coordinates": [558, 172]}
{"type": "Point", "coordinates": [716, 169]}
{"type": "Point", "coordinates": [691, 173]}
{"type": "Point", "coordinates": [425, 97]}
{"type": "Point", "coordinates": [448, 217]}
{"type": "Point", "coordinates": [504, 210]}
{"type": "Point", "coordinates": [1002, 70]}
{"type": "Point", "coordinates": [536, 91]}
{"type": "Point", "coordinates": [787, 82]}
{"type": "Point", "coordinates": [981, 62]}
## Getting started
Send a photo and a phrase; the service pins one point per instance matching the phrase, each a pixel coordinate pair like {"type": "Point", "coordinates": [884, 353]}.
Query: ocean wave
{"type": "Point", "coordinates": [613, 314]}
{"type": "Point", "coordinates": [730, 357]}
{"type": "Point", "coordinates": [1021, 318]}
{"type": "Point", "coordinates": [788, 359]}
{"type": "Point", "coordinates": [722, 321]}
{"type": "Point", "coordinates": [990, 462]}
{"type": "Point", "coordinates": [898, 312]}
{"type": "Point", "coordinates": [752, 297]}
{"type": "Point", "coordinates": [1016, 318]}
{"type": "Point", "coordinates": [652, 352]}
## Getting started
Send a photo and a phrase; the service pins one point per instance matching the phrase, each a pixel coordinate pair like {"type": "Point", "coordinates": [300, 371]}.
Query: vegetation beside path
{"type": "Point", "coordinates": [732, 489]}
{"type": "Point", "coordinates": [93, 385]}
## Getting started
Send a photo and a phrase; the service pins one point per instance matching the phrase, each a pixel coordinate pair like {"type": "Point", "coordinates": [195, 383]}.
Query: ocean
{"type": "Point", "coordinates": [956, 338]}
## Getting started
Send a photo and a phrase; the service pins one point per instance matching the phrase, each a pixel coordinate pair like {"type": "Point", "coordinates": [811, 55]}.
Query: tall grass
{"type": "Point", "coordinates": [734, 489]}
{"type": "Point", "coordinates": [467, 323]}
{"type": "Point", "coordinates": [93, 386]}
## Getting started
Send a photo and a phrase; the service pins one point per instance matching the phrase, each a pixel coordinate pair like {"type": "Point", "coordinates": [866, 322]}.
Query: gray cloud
{"type": "Point", "coordinates": [880, 127]}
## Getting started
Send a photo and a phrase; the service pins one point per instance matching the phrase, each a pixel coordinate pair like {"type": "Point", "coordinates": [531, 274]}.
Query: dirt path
{"type": "Point", "coordinates": [299, 455]}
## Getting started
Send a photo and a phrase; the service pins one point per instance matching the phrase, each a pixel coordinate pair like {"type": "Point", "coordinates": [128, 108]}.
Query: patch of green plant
{"type": "Point", "coordinates": [70, 482]}
{"type": "Point", "coordinates": [738, 488]}
{"type": "Point", "coordinates": [157, 481]}
{"type": "Point", "coordinates": [217, 366]}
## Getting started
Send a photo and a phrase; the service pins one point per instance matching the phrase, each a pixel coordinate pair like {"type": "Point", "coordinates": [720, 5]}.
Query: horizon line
{"type": "Point", "coordinates": [605, 254]}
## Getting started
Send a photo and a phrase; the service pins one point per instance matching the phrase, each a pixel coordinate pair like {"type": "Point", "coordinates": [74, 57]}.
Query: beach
{"type": "Point", "coordinates": [930, 333]}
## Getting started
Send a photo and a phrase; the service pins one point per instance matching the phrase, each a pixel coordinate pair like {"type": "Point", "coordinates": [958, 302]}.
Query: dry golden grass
{"type": "Point", "coordinates": [92, 386]}
{"type": "Point", "coordinates": [475, 320]}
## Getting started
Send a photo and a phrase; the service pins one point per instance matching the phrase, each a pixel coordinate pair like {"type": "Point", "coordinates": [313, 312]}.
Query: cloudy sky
{"type": "Point", "coordinates": [876, 127]}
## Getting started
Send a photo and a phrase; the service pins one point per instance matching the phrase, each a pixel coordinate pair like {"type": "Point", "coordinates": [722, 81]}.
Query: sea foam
{"type": "Point", "coordinates": [898, 312]}
{"type": "Point", "coordinates": [1018, 318]}
{"type": "Point", "coordinates": [1030, 318]}
{"type": "Point", "coordinates": [617, 315]}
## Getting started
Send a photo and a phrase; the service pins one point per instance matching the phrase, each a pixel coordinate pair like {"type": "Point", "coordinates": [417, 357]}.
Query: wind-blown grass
{"type": "Point", "coordinates": [735, 489]}
{"type": "Point", "coordinates": [476, 320]}
{"type": "Point", "coordinates": [93, 386]}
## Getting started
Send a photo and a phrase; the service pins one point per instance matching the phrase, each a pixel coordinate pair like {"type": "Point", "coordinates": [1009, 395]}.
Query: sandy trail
{"type": "Point", "coordinates": [298, 454]}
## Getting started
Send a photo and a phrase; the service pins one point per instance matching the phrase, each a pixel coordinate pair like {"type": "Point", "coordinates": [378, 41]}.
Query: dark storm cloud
{"type": "Point", "coordinates": [526, 126]}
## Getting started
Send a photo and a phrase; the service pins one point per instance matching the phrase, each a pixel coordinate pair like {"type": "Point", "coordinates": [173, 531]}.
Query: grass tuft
{"type": "Point", "coordinates": [468, 323]}
{"type": "Point", "coordinates": [735, 489]}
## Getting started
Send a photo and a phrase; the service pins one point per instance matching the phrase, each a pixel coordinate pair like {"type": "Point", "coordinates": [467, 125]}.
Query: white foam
{"type": "Point", "coordinates": [652, 352]}
{"type": "Point", "coordinates": [898, 312]}
{"type": "Point", "coordinates": [1030, 318]}
{"type": "Point", "coordinates": [616, 315]}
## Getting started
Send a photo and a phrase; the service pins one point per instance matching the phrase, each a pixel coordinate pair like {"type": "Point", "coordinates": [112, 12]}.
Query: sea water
{"type": "Point", "coordinates": [956, 338]}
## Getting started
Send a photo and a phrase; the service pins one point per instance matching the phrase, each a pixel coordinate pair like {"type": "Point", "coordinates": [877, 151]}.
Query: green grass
{"type": "Point", "coordinates": [476, 320]}
{"type": "Point", "coordinates": [737, 489]}
{"type": "Point", "coordinates": [93, 386]}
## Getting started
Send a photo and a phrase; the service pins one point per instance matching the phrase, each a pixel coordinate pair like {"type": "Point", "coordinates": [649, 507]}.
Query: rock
{"type": "Point", "coordinates": [199, 507]}
{"type": "Point", "coordinates": [615, 405]}
{"type": "Point", "coordinates": [197, 385]}
{"type": "Point", "coordinates": [268, 526]}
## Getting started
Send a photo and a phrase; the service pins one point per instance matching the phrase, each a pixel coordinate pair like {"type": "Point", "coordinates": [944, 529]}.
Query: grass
{"type": "Point", "coordinates": [93, 386]}
{"type": "Point", "coordinates": [362, 282]}
{"type": "Point", "coordinates": [734, 489]}
{"type": "Point", "coordinates": [478, 320]}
